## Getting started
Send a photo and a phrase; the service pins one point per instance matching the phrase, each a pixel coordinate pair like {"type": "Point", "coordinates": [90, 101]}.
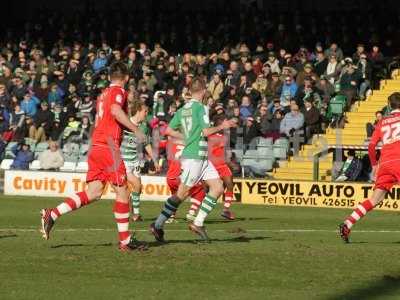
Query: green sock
{"type": "Point", "coordinates": [135, 199]}
{"type": "Point", "coordinates": [206, 207]}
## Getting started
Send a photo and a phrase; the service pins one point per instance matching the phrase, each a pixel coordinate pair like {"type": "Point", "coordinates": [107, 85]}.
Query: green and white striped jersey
{"type": "Point", "coordinates": [191, 119]}
{"type": "Point", "coordinates": [130, 146]}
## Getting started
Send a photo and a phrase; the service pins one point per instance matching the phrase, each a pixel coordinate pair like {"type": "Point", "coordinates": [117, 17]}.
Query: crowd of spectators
{"type": "Point", "coordinates": [276, 77]}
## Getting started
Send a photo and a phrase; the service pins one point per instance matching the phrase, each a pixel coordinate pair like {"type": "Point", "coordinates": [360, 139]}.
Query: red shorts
{"type": "Point", "coordinates": [223, 170]}
{"type": "Point", "coordinates": [106, 165]}
{"type": "Point", "coordinates": [388, 174]}
{"type": "Point", "coordinates": [197, 192]}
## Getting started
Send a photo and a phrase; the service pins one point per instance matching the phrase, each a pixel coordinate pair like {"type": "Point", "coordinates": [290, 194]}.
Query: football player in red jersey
{"type": "Point", "coordinates": [217, 155]}
{"type": "Point", "coordinates": [197, 192]}
{"type": "Point", "coordinates": [104, 161]}
{"type": "Point", "coordinates": [386, 172]}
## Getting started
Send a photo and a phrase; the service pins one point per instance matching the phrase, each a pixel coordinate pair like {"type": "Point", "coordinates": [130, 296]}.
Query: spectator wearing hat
{"type": "Point", "coordinates": [216, 87]}
{"type": "Point", "coordinates": [51, 159]}
{"type": "Point", "coordinates": [349, 81]}
{"type": "Point", "coordinates": [288, 91]}
{"type": "Point", "coordinates": [23, 157]}
{"type": "Point", "coordinates": [273, 63]}
{"type": "Point", "coordinates": [293, 121]}
{"type": "Point", "coordinates": [307, 72]}
{"type": "Point", "coordinates": [312, 118]}
{"type": "Point", "coordinates": [43, 122]}
{"type": "Point", "coordinates": [29, 104]}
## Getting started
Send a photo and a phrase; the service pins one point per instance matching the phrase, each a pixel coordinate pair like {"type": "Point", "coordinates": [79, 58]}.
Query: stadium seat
{"type": "Point", "coordinates": [265, 151]}
{"type": "Point", "coordinates": [239, 153]}
{"type": "Point", "coordinates": [42, 147]}
{"type": "Point", "coordinates": [35, 165]}
{"type": "Point", "coordinates": [82, 166]}
{"type": "Point", "coordinates": [337, 105]}
{"type": "Point", "coordinates": [6, 163]}
{"type": "Point", "coordinates": [68, 166]}
{"type": "Point", "coordinates": [281, 148]}
{"type": "Point", "coordinates": [265, 142]}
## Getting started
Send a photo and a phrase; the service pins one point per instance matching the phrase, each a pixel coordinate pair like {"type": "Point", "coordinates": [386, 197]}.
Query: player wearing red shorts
{"type": "Point", "coordinates": [197, 193]}
{"type": "Point", "coordinates": [387, 170]}
{"type": "Point", "coordinates": [104, 161]}
{"type": "Point", "coordinates": [216, 146]}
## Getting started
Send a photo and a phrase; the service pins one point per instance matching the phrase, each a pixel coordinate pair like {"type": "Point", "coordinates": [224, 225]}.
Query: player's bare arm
{"type": "Point", "coordinates": [174, 133]}
{"type": "Point", "coordinates": [226, 124]}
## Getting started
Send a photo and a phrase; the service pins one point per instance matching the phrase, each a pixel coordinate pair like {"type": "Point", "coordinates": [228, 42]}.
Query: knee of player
{"type": "Point", "coordinates": [217, 188]}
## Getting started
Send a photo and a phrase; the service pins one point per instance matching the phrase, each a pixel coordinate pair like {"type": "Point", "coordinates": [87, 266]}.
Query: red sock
{"type": "Point", "coordinates": [121, 213]}
{"type": "Point", "coordinates": [358, 213]}
{"type": "Point", "coordinates": [71, 203]}
{"type": "Point", "coordinates": [195, 204]}
{"type": "Point", "coordinates": [228, 198]}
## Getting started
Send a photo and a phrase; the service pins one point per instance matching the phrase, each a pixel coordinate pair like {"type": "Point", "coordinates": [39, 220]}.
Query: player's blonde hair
{"type": "Point", "coordinates": [136, 106]}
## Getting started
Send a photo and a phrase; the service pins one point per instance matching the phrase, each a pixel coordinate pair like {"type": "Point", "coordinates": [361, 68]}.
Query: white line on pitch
{"type": "Point", "coordinates": [186, 230]}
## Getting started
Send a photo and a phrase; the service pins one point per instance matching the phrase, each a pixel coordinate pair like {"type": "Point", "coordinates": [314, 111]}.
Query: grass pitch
{"type": "Point", "coordinates": [268, 253]}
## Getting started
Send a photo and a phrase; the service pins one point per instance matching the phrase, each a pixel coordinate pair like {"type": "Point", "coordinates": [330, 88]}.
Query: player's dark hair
{"type": "Point", "coordinates": [197, 85]}
{"type": "Point", "coordinates": [118, 71]}
{"type": "Point", "coordinates": [394, 100]}
{"type": "Point", "coordinates": [136, 106]}
{"type": "Point", "coordinates": [218, 119]}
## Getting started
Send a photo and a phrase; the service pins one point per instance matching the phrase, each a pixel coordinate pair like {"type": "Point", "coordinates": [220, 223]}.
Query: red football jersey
{"type": "Point", "coordinates": [107, 129]}
{"type": "Point", "coordinates": [387, 131]}
{"type": "Point", "coordinates": [216, 148]}
{"type": "Point", "coordinates": [174, 152]}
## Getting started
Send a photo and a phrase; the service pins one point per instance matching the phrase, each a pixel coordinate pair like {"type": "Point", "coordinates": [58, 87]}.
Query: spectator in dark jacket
{"type": "Point", "coordinates": [43, 122]}
{"type": "Point", "coordinates": [23, 156]}
{"type": "Point", "coordinates": [351, 168]}
{"type": "Point", "coordinates": [349, 81]}
{"type": "Point", "coordinates": [311, 119]}
{"type": "Point", "coordinates": [251, 130]}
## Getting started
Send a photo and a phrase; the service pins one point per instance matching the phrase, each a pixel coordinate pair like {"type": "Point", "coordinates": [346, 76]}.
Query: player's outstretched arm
{"type": "Point", "coordinates": [226, 124]}
{"type": "Point", "coordinates": [123, 119]}
{"type": "Point", "coordinates": [174, 133]}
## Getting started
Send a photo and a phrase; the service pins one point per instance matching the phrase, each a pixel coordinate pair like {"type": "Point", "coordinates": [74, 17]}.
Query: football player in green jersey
{"type": "Point", "coordinates": [132, 155]}
{"type": "Point", "coordinates": [191, 124]}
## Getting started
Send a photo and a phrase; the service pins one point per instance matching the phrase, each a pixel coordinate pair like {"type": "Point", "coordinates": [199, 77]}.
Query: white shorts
{"type": "Point", "coordinates": [133, 168]}
{"type": "Point", "coordinates": [195, 170]}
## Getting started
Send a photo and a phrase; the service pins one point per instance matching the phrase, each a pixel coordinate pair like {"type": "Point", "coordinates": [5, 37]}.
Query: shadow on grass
{"type": "Point", "coordinates": [8, 236]}
{"type": "Point", "coordinates": [81, 245]}
{"type": "Point", "coordinates": [387, 285]}
{"type": "Point", "coordinates": [238, 239]}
